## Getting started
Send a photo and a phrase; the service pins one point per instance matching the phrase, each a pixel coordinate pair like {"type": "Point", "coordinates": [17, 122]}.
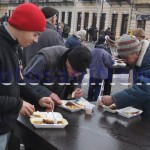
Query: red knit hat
{"type": "Point", "coordinates": [28, 17]}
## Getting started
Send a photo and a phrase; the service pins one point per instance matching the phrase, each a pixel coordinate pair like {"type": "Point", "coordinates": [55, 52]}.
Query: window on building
{"type": "Point", "coordinates": [124, 25]}
{"type": "Point", "coordinates": [141, 24]}
{"type": "Point", "coordinates": [94, 21]}
{"type": "Point", "coordinates": [69, 18]}
{"type": "Point", "coordinates": [114, 23]}
{"type": "Point", "coordinates": [63, 17]}
{"type": "Point", "coordinates": [86, 20]}
{"type": "Point", "coordinates": [79, 21]}
{"type": "Point", "coordinates": [102, 22]}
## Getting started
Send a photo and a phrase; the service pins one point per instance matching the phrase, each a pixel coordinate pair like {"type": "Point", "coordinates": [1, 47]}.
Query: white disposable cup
{"type": "Point", "coordinates": [88, 109]}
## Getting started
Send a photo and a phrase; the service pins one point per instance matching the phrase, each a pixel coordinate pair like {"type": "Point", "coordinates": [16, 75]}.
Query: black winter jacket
{"type": "Point", "coordinates": [48, 69]}
{"type": "Point", "coordinates": [10, 90]}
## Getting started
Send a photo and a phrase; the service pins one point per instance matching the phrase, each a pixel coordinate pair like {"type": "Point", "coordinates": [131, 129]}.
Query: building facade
{"type": "Point", "coordinates": [120, 15]}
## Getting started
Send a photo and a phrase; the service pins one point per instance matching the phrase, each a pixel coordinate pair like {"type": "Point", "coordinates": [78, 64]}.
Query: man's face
{"type": "Point", "coordinates": [71, 71]}
{"type": "Point", "coordinates": [53, 20]}
{"type": "Point", "coordinates": [26, 38]}
{"type": "Point", "coordinates": [131, 59]}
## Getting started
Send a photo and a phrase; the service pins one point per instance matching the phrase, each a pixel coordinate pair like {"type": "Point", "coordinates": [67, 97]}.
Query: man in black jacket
{"type": "Point", "coordinates": [22, 29]}
{"type": "Point", "coordinates": [59, 71]}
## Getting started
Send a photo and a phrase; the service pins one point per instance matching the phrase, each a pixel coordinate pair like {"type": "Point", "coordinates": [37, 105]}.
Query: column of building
{"type": "Point", "coordinates": [82, 20]}
{"type": "Point", "coordinates": [66, 17]}
{"type": "Point", "coordinates": [60, 15]}
{"type": "Point", "coordinates": [119, 23]}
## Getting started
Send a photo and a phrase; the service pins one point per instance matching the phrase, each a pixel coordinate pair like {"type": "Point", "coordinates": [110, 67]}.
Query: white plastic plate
{"type": "Point", "coordinates": [129, 112]}
{"type": "Point", "coordinates": [48, 125]}
{"type": "Point", "coordinates": [83, 102]}
{"type": "Point", "coordinates": [49, 115]}
{"type": "Point", "coordinates": [63, 105]}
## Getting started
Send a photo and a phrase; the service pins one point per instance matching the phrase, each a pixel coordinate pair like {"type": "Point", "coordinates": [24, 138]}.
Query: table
{"type": "Point", "coordinates": [101, 130]}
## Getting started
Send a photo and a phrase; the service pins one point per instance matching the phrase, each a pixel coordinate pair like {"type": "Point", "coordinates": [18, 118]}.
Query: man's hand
{"type": "Point", "coordinates": [46, 102]}
{"type": "Point", "coordinates": [107, 100]}
{"type": "Point", "coordinates": [77, 93]}
{"type": "Point", "coordinates": [55, 99]}
{"type": "Point", "coordinates": [27, 109]}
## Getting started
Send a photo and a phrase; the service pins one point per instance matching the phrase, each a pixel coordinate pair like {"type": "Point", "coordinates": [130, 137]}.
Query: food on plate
{"type": "Point", "coordinates": [37, 122]}
{"type": "Point", "coordinates": [120, 61]}
{"type": "Point", "coordinates": [131, 113]}
{"type": "Point", "coordinates": [72, 105]}
{"type": "Point", "coordinates": [48, 121]}
{"type": "Point", "coordinates": [38, 114]}
{"type": "Point", "coordinates": [113, 106]}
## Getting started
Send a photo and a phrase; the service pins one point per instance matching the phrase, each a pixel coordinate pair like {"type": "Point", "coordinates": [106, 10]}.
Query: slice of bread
{"type": "Point", "coordinates": [38, 114]}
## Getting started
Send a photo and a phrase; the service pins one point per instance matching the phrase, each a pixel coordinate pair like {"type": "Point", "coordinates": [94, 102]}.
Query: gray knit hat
{"type": "Point", "coordinates": [127, 45]}
{"type": "Point", "coordinates": [49, 12]}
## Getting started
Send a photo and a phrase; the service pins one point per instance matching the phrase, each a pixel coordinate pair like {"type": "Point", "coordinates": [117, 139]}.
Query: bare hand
{"type": "Point", "coordinates": [107, 100]}
{"type": "Point", "coordinates": [27, 109]}
{"type": "Point", "coordinates": [55, 99]}
{"type": "Point", "coordinates": [46, 102]}
{"type": "Point", "coordinates": [77, 93]}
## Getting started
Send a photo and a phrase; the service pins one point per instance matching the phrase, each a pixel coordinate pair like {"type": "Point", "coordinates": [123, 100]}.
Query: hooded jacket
{"type": "Point", "coordinates": [10, 90]}
{"type": "Point", "coordinates": [101, 61]}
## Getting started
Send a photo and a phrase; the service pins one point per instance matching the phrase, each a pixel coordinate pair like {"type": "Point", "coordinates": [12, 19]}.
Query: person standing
{"type": "Point", "coordinates": [23, 28]}
{"type": "Point", "coordinates": [101, 61]}
{"type": "Point", "coordinates": [50, 37]}
{"type": "Point", "coordinates": [50, 14]}
{"type": "Point", "coordinates": [4, 18]}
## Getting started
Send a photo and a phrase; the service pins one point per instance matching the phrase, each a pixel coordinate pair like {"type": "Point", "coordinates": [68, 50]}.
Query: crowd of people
{"type": "Point", "coordinates": [34, 54]}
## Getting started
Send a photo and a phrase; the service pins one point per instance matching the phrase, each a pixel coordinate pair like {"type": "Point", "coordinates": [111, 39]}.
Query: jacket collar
{"type": "Point", "coordinates": [145, 45]}
{"type": "Point", "coordinates": [7, 36]}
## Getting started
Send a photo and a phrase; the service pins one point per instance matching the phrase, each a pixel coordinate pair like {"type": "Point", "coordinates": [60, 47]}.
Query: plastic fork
{"type": "Point", "coordinates": [54, 118]}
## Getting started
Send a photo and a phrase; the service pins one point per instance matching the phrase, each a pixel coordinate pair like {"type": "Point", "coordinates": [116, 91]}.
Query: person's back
{"type": "Point", "coordinates": [101, 61]}
{"type": "Point", "coordinates": [72, 41]}
{"type": "Point", "coordinates": [108, 32]}
{"type": "Point", "coordinates": [5, 18]}
{"type": "Point", "coordinates": [66, 31]}
{"type": "Point", "coordinates": [76, 39]}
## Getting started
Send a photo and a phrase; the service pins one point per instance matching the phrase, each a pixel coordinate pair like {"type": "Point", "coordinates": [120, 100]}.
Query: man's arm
{"type": "Point", "coordinates": [132, 96]}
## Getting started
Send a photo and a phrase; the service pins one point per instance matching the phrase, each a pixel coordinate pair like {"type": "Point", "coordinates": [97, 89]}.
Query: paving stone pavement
{"type": "Point", "coordinates": [120, 82]}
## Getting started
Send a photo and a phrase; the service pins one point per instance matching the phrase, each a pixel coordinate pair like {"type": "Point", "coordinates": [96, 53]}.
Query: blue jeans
{"type": "Point", "coordinates": [4, 141]}
{"type": "Point", "coordinates": [94, 90]}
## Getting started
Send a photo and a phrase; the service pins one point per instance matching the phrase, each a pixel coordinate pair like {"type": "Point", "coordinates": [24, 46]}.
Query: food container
{"type": "Point", "coordinates": [129, 112]}
{"type": "Point", "coordinates": [40, 122]}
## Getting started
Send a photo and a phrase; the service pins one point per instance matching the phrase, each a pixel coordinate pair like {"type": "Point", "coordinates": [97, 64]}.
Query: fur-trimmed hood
{"type": "Point", "coordinates": [145, 44]}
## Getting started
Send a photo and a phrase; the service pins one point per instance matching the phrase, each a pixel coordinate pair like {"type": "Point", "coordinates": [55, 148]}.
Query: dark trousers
{"type": "Point", "coordinates": [94, 89]}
